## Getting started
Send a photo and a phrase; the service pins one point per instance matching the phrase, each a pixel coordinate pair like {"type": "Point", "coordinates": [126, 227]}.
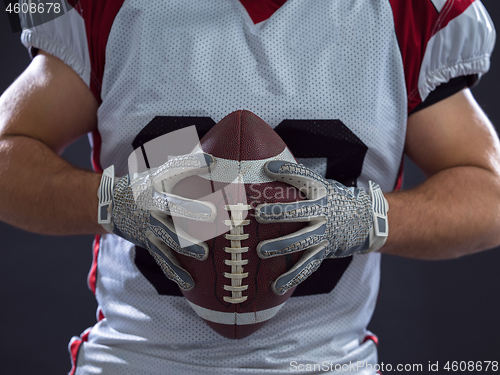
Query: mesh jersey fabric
{"type": "Point", "coordinates": [347, 72]}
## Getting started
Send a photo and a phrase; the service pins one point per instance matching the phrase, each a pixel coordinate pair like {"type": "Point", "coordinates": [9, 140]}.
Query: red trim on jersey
{"type": "Point", "coordinates": [96, 150]}
{"type": "Point", "coordinates": [399, 181]}
{"type": "Point", "coordinates": [74, 347]}
{"type": "Point", "coordinates": [98, 17]}
{"type": "Point", "coordinates": [451, 10]}
{"type": "Point", "coordinates": [414, 22]}
{"type": "Point", "coordinates": [100, 315]}
{"type": "Point", "coordinates": [261, 10]}
{"type": "Point", "coordinates": [371, 337]}
{"type": "Point", "coordinates": [92, 278]}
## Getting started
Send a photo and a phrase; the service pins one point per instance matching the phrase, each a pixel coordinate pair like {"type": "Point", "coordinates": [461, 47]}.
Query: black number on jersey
{"type": "Point", "coordinates": [330, 139]}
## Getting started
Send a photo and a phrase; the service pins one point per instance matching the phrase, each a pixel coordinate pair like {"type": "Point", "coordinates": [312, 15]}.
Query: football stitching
{"type": "Point", "coordinates": [236, 262]}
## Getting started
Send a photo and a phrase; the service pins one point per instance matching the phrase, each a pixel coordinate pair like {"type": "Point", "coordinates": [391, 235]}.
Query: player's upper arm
{"type": "Point", "coordinates": [48, 102]}
{"type": "Point", "coordinates": [453, 132]}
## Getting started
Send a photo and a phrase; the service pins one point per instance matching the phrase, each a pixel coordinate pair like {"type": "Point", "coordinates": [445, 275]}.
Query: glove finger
{"type": "Point", "coordinates": [292, 211]}
{"type": "Point", "coordinates": [302, 239]}
{"type": "Point", "coordinates": [307, 264]}
{"type": "Point", "coordinates": [169, 263]}
{"type": "Point", "coordinates": [307, 181]}
{"type": "Point", "coordinates": [164, 230]}
{"type": "Point", "coordinates": [176, 205]}
{"type": "Point", "coordinates": [174, 170]}
{"type": "Point", "coordinates": [169, 174]}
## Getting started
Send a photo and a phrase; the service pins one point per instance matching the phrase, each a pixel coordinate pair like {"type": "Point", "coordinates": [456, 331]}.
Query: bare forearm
{"type": "Point", "coordinates": [42, 193]}
{"type": "Point", "coordinates": [454, 213]}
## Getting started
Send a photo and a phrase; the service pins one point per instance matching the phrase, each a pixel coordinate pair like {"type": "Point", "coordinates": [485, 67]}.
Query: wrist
{"type": "Point", "coordinates": [105, 196]}
{"type": "Point", "coordinates": [380, 227]}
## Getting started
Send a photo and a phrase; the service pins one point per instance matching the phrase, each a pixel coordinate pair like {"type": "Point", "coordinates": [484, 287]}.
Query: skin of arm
{"type": "Point", "coordinates": [44, 110]}
{"type": "Point", "coordinates": [456, 211]}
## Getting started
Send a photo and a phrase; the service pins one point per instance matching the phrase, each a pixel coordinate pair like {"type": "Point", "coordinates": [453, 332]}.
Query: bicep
{"type": "Point", "coordinates": [453, 132]}
{"type": "Point", "coordinates": [48, 102]}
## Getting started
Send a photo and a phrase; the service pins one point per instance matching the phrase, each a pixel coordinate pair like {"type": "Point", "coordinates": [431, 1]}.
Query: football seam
{"type": "Point", "coordinates": [236, 262]}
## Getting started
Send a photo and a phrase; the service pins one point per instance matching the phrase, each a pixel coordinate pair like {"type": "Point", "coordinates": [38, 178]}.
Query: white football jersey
{"type": "Point", "coordinates": [336, 79]}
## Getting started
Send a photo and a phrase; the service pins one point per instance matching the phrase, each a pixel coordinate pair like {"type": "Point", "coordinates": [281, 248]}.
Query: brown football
{"type": "Point", "coordinates": [232, 291]}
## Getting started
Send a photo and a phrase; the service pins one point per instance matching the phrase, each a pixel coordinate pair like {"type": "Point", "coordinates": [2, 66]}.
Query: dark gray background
{"type": "Point", "coordinates": [427, 312]}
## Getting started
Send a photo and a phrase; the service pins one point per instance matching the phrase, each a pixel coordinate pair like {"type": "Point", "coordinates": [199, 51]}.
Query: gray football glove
{"type": "Point", "coordinates": [342, 221]}
{"type": "Point", "coordinates": [141, 211]}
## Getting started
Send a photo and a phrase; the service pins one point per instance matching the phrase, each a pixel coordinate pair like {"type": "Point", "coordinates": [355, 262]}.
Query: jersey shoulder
{"type": "Point", "coordinates": [75, 32]}
{"type": "Point", "coordinates": [440, 40]}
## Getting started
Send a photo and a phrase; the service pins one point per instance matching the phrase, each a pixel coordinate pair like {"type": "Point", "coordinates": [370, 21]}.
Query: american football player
{"type": "Point", "coordinates": [349, 86]}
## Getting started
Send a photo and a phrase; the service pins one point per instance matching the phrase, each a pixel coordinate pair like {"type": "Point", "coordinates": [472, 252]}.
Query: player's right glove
{"type": "Point", "coordinates": [141, 210]}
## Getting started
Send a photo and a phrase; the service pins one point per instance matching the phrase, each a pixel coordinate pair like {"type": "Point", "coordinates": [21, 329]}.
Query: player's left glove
{"type": "Point", "coordinates": [342, 221]}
